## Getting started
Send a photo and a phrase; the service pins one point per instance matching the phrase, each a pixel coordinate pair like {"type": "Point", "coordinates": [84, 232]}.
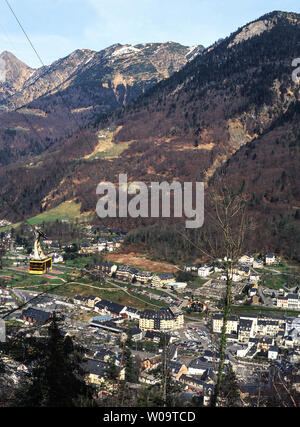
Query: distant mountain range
{"type": "Point", "coordinates": [119, 68]}
{"type": "Point", "coordinates": [165, 112]}
{"type": "Point", "coordinates": [42, 106]}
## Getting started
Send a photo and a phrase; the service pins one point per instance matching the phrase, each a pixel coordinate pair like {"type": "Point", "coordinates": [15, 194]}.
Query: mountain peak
{"type": "Point", "coordinates": [14, 73]}
{"type": "Point", "coordinates": [265, 23]}
{"type": "Point", "coordinates": [280, 14]}
{"type": "Point", "coordinates": [11, 59]}
{"type": "Point", "coordinates": [7, 54]}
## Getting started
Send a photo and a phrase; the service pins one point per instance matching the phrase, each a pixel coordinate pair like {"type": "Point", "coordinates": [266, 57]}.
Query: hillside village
{"type": "Point", "coordinates": [263, 332]}
{"type": "Point", "coordinates": [142, 305]}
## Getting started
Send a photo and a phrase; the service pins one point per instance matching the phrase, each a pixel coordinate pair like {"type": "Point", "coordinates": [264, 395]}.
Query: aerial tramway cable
{"type": "Point", "coordinates": [34, 130]}
{"type": "Point", "coordinates": [25, 117]}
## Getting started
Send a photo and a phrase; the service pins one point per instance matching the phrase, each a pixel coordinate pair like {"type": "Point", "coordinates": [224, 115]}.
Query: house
{"type": "Point", "coordinates": [80, 300]}
{"type": "Point", "coordinates": [242, 350]}
{"type": "Point", "coordinates": [143, 276]}
{"type": "Point", "coordinates": [231, 326]}
{"type": "Point", "coordinates": [253, 349]}
{"type": "Point", "coordinates": [132, 313]}
{"type": "Point", "coordinates": [255, 300]}
{"type": "Point", "coordinates": [273, 353]}
{"type": "Point", "coordinates": [85, 248]}
{"type": "Point", "coordinates": [270, 259]}
{"type": "Point", "coordinates": [253, 319]}
{"type": "Point", "coordinates": [264, 343]}
{"type": "Point", "coordinates": [96, 371]}
{"type": "Point", "coordinates": [107, 268]}
{"type": "Point", "coordinates": [293, 329]}
{"type": "Point", "coordinates": [258, 263]}
{"type": "Point", "coordinates": [239, 299]}
{"type": "Point", "coordinates": [289, 342]}
{"type": "Point", "coordinates": [214, 357]}
{"type": "Point", "coordinates": [116, 241]}
{"type": "Point", "coordinates": [252, 291]}
{"type": "Point", "coordinates": [267, 327]}
{"type": "Point", "coordinates": [218, 268]}
{"type": "Point", "coordinates": [211, 356]}
{"type": "Point", "coordinates": [47, 242]}
{"type": "Point", "coordinates": [293, 301]}
{"type": "Point", "coordinates": [152, 336]}
{"type": "Point", "coordinates": [196, 383]}
{"type": "Point", "coordinates": [242, 270]}
{"type": "Point", "coordinates": [190, 268]}
{"type": "Point", "coordinates": [104, 355]}
{"type": "Point", "coordinates": [235, 277]}
{"type": "Point", "coordinates": [92, 300]}
{"type": "Point", "coordinates": [210, 375]}
{"type": "Point", "coordinates": [147, 378]}
{"type": "Point", "coordinates": [205, 271]}
{"type": "Point", "coordinates": [199, 366]}
{"type": "Point", "coordinates": [126, 273]}
{"type": "Point", "coordinates": [246, 259]}
{"type": "Point", "coordinates": [282, 301]}
{"type": "Point", "coordinates": [151, 362]}
{"type": "Point", "coordinates": [177, 369]}
{"type": "Point", "coordinates": [161, 279]}
{"type": "Point", "coordinates": [110, 245]}
{"type": "Point", "coordinates": [136, 334]}
{"type": "Point", "coordinates": [254, 277]}
{"type": "Point", "coordinates": [165, 319]}
{"type": "Point", "coordinates": [113, 309]}
{"type": "Point", "coordinates": [101, 244]}
{"type": "Point", "coordinates": [173, 352]}
{"type": "Point", "coordinates": [34, 317]}
{"type": "Point", "coordinates": [245, 330]}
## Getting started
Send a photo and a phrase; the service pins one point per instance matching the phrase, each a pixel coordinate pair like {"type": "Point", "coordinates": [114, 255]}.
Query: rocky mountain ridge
{"type": "Point", "coordinates": [225, 113]}
{"type": "Point", "coordinates": [27, 84]}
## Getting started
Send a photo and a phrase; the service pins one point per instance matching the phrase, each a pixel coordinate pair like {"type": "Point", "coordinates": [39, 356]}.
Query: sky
{"type": "Point", "coordinates": [58, 27]}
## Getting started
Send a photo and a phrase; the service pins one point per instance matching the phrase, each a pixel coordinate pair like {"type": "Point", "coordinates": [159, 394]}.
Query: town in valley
{"type": "Point", "coordinates": [173, 317]}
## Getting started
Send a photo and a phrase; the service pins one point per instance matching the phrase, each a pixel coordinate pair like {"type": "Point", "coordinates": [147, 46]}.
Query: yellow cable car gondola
{"type": "Point", "coordinates": [39, 262]}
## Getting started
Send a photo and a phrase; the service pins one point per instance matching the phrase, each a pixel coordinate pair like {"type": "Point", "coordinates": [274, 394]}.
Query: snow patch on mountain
{"type": "Point", "coordinates": [125, 50]}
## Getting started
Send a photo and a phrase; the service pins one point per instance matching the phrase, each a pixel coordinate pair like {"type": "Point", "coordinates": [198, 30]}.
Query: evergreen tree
{"type": "Point", "coordinates": [229, 390]}
{"type": "Point", "coordinates": [132, 372]}
{"type": "Point", "coordinates": [57, 378]}
{"type": "Point", "coordinates": [112, 370]}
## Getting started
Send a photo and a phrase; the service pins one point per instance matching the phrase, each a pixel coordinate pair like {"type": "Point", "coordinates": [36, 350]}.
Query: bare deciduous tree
{"type": "Point", "coordinates": [224, 238]}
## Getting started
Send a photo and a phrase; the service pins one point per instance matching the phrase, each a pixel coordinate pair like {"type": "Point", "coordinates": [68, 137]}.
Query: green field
{"type": "Point", "coordinates": [28, 281]}
{"type": "Point", "coordinates": [262, 310]}
{"type": "Point", "coordinates": [9, 227]}
{"type": "Point", "coordinates": [80, 261]}
{"type": "Point", "coordinates": [277, 281]}
{"type": "Point", "coordinates": [197, 283]}
{"type": "Point", "coordinates": [114, 151]}
{"type": "Point", "coordinates": [273, 281]}
{"type": "Point", "coordinates": [66, 210]}
{"type": "Point", "coordinates": [104, 291]}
